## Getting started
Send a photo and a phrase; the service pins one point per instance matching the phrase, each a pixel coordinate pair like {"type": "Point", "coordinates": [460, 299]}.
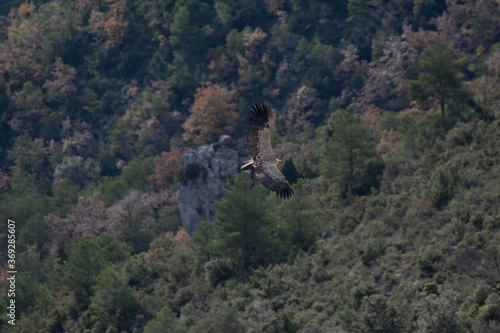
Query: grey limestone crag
{"type": "Point", "coordinates": [197, 194]}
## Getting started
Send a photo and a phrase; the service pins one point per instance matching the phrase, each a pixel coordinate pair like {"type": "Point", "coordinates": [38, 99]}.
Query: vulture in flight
{"type": "Point", "coordinates": [263, 162]}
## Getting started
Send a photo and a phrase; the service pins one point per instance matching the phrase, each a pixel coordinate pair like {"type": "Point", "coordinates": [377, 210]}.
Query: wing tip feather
{"type": "Point", "coordinates": [284, 190]}
{"type": "Point", "coordinates": [259, 113]}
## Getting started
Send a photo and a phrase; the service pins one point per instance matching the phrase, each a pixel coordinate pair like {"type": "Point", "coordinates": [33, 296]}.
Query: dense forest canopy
{"type": "Point", "coordinates": [385, 111]}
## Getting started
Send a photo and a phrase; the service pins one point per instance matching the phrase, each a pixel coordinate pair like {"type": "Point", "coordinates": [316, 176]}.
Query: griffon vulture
{"type": "Point", "coordinates": [263, 162]}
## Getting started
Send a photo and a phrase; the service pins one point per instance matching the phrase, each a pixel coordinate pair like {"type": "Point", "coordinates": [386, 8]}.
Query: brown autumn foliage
{"type": "Point", "coordinates": [96, 24]}
{"type": "Point", "coordinates": [213, 113]}
{"type": "Point", "coordinates": [61, 85]}
{"type": "Point", "coordinates": [419, 40]}
{"type": "Point", "coordinates": [166, 167]}
{"type": "Point", "coordinates": [4, 182]}
{"type": "Point", "coordinates": [82, 5]}
{"type": "Point", "coordinates": [182, 238]}
{"type": "Point", "coordinates": [270, 92]}
{"type": "Point", "coordinates": [24, 32]}
{"type": "Point", "coordinates": [371, 117]}
{"type": "Point", "coordinates": [485, 89]}
{"type": "Point", "coordinates": [70, 128]}
{"type": "Point", "coordinates": [20, 66]}
{"type": "Point", "coordinates": [87, 217]}
{"type": "Point", "coordinates": [385, 75]}
{"type": "Point", "coordinates": [90, 217]}
{"type": "Point", "coordinates": [219, 66]}
{"type": "Point", "coordinates": [251, 40]}
{"type": "Point", "coordinates": [304, 106]}
{"type": "Point", "coordinates": [26, 9]}
{"type": "Point", "coordinates": [454, 24]}
{"type": "Point", "coordinates": [273, 6]}
{"type": "Point", "coordinates": [350, 65]}
{"type": "Point", "coordinates": [80, 143]}
{"type": "Point", "coordinates": [134, 204]}
{"type": "Point", "coordinates": [110, 26]}
{"type": "Point", "coordinates": [116, 28]}
{"type": "Point", "coordinates": [145, 205]}
{"type": "Point", "coordinates": [267, 62]}
{"type": "Point", "coordinates": [77, 138]}
{"type": "Point", "coordinates": [388, 140]}
{"type": "Point", "coordinates": [26, 41]}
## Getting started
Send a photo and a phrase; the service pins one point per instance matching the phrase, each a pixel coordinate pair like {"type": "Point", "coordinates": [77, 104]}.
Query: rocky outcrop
{"type": "Point", "coordinates": [206, 173]}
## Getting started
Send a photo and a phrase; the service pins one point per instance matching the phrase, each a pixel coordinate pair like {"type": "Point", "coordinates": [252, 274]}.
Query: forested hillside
{"type": "Point", "coordinates": [385, 111]}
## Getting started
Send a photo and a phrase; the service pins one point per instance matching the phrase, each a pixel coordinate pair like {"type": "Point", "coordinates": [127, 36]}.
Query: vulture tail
{"type": "Point", "coordinates": [247, 166]}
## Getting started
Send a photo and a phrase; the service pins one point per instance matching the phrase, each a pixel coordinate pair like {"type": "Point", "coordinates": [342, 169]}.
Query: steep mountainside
{"type": "Point", "coordinates": [122, 128]}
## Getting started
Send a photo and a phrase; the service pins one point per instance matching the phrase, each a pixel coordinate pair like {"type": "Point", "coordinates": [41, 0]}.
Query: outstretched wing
{"type": "Point", "coordinates": [258, 134]}
{"type": "Point", "coordinates": [271, 177]}
{"type": "Point", "coordinates": [263, 159]}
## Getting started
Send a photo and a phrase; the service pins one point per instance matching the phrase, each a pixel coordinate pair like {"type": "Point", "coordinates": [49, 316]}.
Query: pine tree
{"type": "Point", "coordinates": [362, 25]}
{"type": "Point", "coordinates": [439, 74]}
{"type": "Point", "coordinates": [87, 257]}
{"type": "Point", "coordinates": [348, 152]}
{"type": "Point", "coordinates": [299, 220]}
{"type": "Point", "coordinates": [241, 223]}
{"type": "Point", "coordinates": [212, 114]}
{"type": "Point", "coordinates": [203, 239]}
{"type": "Point", "coordinates": [85, 261]}
{"type": "Point", "coordinates": [290, 171]}
{"type": "Point", "coordinates": [113, 297]}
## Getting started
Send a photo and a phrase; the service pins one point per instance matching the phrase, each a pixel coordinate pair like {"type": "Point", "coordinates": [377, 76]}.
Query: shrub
{"type": "Point", "coordinates": [372, 253]}
{"type": "Point", "coordinates": [218, 270]}
{"type": "Point", "coordinates": [190, 172]}
{"type": "Point", "coordinates": [431, 288]}
{"type": "Point", "coordinates": [320, 274]}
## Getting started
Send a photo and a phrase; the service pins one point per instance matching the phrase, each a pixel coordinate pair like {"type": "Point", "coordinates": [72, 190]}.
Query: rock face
{"type": "Point", "coordinates": [197, 194]}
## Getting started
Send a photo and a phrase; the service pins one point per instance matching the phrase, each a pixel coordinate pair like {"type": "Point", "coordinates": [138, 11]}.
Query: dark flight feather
{"type": "Point", "coordinates": [264, 162]}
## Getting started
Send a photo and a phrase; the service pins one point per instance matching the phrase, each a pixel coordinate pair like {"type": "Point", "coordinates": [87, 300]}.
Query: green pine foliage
{"type": "Point", "coordinates": [241, 226]}
{"type": "Point", "coordinates": [349, 155]}
{"type": "Point", "coordinates": [290, 171]}
{"type": "Point", "coordinates": [439, 74]}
